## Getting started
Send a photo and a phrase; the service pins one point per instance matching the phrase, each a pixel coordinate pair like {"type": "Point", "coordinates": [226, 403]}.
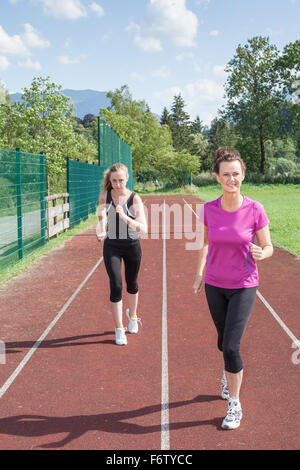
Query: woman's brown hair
{"type": "Point", "coordinates": [223, 154]}
{"type": "Point", "coordinates": [107, 174]}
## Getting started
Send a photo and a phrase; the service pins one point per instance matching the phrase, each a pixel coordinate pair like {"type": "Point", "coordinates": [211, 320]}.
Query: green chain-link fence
{"type": "Point", "coordinates": [112, 149]}
{"type": "Point", "coordinates": [22, 204]}
{"type": "Point", "coordinates": [83, 186]}
{"type": "Point", "coordinates": [23, 215]}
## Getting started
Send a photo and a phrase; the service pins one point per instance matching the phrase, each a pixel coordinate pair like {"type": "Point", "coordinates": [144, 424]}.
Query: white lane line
{"type": "Point", "coordinates": [165, 434]}
{"type": "Point", "coordinates": [268, 306]}
{"type": "Point", "coordinates": [28, 356]}
{"type": "Point", "coordinates": [278, 319]}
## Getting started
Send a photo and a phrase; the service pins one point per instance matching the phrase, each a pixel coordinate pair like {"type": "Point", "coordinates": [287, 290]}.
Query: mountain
{"type": "Point", "coordinates": [87, 101]}
{"type": "Point", "coordinates": [84, 101]}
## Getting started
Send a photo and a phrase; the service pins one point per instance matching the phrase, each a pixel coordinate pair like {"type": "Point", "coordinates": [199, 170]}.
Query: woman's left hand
{"type": "Point", "coordinates": [257, 252]}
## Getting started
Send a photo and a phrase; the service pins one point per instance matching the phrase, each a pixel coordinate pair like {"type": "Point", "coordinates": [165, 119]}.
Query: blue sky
{"type": "Point", "coordinates": [159, 48]}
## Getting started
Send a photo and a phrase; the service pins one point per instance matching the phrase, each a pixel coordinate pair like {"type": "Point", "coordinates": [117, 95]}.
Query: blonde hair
{"type": "Point", "coordinates": [107, 174]}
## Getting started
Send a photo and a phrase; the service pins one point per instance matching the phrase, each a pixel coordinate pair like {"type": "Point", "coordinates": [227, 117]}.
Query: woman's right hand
{"type": "Point", "coordinates": [198, 283]}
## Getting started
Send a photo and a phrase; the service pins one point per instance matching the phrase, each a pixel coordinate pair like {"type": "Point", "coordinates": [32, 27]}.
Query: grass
{"type": "Point", "coordinates": [281, 203]}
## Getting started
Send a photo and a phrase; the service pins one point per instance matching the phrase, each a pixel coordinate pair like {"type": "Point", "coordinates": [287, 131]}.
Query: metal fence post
{"type": "Point", "coordinates": [42, 197]}
{"type": "Point", "coordinates": [99, 152]}
{"type": "Point", "coordinates": [19, 203]}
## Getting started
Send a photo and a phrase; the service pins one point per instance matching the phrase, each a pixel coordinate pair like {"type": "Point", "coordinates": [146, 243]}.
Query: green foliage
{"type": "Point", "coordinates": [255, 90]}
{"type": "Point", "coordinates": [44, 122]}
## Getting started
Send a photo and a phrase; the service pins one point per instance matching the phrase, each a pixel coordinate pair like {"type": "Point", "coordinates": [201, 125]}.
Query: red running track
{"type": "Point", "coordinates": [76, 389]}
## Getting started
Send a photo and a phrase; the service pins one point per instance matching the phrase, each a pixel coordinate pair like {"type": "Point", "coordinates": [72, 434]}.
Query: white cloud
{"type": "Point", "coordinates": [29, 64]}
{"type": "Point", "coordinates": [172, 20]}
{"type": "Point", "coordinates": [162, 72]}
{"type": "Point", "coordinates": [96, 8]}
{"type": "Point", "coordinates": [12, 45]}
{"type": "Point", "coordinates": [137, 76]}
{"type": "Point", "coordinates": [65, 60]}
{"type": "Point", "coordinates": [203, 97]}
{"type": "Point", "coordinates": [214, 32]}
{"type": "Point", "coordinates": [148, 43]}
{"type": "Point", "coordinates": [63, 9]}
{"type": "Point", "coordinates": [4, 63]}
{"type": "Point", "coordinates": [32, 39]}
{"type": "Point", "coordinates": [15, 1]}
{"type": "Point", "coordinates": [166, 20]}
{"type": "Point", "coordinates": [219, 72]}
{"type": "Point", "coordinates": [184, 56]}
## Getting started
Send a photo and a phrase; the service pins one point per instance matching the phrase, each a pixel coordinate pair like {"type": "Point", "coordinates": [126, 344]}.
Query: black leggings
{"type": "Point", "coordinates": [230, 310]}
{"type": "Point", "coordinates": [113, 253]}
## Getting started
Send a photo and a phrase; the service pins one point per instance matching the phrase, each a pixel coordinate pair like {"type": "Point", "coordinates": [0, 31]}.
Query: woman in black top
{"type": "Point", "coordinates": [121, 220]}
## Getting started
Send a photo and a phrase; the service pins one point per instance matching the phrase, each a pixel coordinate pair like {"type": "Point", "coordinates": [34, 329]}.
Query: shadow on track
{"type": "Point", "coordinates": [76, 426]}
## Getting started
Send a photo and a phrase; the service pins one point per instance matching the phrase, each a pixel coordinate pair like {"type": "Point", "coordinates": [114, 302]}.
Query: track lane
{"type": "Point", "coordinates": [81, 391]}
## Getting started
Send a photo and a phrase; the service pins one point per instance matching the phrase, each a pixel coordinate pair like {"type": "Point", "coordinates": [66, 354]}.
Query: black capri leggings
{"type": "Point", "coordinates": [113, 253]}
{"type": "Point", "coordinates": [230, 310]}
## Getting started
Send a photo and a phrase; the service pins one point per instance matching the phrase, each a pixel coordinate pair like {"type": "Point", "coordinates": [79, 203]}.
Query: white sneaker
{"type": "Point", "coordinates": [133, 326]}
{"type": "Point", "coordinates": [234, 415]}
{"type": "Point", "coordinates": [120, 336]}
{"type": "Point", "coordinates": [224, 388]}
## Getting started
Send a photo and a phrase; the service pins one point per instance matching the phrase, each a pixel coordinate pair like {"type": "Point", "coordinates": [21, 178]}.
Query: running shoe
{"type": "Point", "coordinates": [133, 326]}
{"type": "Point", "coordinates": [224, 388]}
{"type": "Point", "coordinates": [120, 336]}
{"type": "Point", "coordinates": [234, 415]}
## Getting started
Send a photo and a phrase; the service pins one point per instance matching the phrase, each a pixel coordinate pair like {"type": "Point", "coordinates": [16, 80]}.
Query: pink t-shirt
{"type": "Point", "coordinates": [229, 262]}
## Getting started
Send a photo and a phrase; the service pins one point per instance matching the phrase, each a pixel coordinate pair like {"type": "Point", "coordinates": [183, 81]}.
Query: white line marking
{"type": "Point", "coordinates": [16, 372]}
{"type": "Point", "coordinates": [277, 318]}
{"type": "Point", "coordinates": [271, 310]}
{"type": "Point", "coordinates": [191, 209]}
{"type": "Point", "coordinates": [165, 434]}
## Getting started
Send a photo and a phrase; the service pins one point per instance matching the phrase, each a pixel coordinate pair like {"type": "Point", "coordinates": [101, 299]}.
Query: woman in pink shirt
{"type": "Point", "coordinates": [229, 254]}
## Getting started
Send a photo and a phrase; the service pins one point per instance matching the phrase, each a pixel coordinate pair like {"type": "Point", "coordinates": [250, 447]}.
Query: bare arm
{"type": "Point", "coordinates": [264, 249]}
{"type": "Point", "coordinates": [202, 254]}
{"type": "Point", "coordinates": [101, 226]}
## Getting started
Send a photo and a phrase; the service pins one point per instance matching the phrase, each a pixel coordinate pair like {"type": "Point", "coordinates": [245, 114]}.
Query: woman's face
{"type": "Point", "coordinates": [118, 180]}
{"type": "Point", "coordinates": [230, 176]}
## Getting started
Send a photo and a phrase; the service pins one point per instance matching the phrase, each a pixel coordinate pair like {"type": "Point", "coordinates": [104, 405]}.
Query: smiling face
{"type": "Point", "coordinates": [230, 176]}
{"type": "Point", "coordinates": [118, 180]}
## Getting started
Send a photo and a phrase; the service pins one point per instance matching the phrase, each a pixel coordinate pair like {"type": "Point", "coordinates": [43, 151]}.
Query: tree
{"type": "Point", "coordinates": [196, 126]}
{"type": "Point", "coordinates": [165, 117]}
{"type": "Point", "coordinates": [46, 116]}
{"type": "Point", "coordinates": [138, 127]}
{"type": "Point", "coordinates": [255, 90]}
{"type": "Point", "coordinates": [179, 124]}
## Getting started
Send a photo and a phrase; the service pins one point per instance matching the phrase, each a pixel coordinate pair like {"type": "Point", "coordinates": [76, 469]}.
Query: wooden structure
{"type": "Point", "coordinates": [57, 214]}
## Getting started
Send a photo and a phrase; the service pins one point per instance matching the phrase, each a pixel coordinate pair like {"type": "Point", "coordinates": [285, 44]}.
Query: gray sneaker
{"type": "Point", "coordinates": [234, 415]}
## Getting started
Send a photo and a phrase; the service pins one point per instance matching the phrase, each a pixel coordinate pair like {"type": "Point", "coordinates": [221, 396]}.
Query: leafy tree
{"type": "Point", "coordinates": [42, 122]}
{"type": "Point", "coordinates": [255, 90]}
{"type": "Point", "coordinates": [137, 126]}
